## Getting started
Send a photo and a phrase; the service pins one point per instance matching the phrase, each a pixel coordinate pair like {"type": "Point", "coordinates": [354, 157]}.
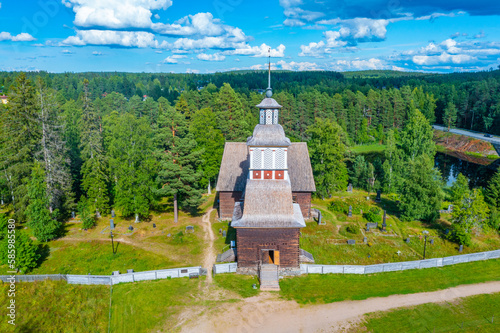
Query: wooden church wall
{"type": "Point", "coordinates": [251, 242]}
{"type": "Point", "coordinates": [226, 203]}
{"type": "Point", "coordinates": [304, 200]}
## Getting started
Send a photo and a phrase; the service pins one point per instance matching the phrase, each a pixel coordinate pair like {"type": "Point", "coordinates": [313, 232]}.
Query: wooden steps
{"type": "Point", "coordinates": [269, 278]}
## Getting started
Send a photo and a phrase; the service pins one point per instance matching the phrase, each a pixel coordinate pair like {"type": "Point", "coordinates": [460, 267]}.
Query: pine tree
{"type": "Point", "coordinates": [417, 138]}
{"type": "Point", "coordinates": [19, 141]}
{"type": "Point", "coordinates": [53, 151]}
{"type": "Point", "coordinates": [327, 148]}
{"type": "Point", "coordinates": [38, 215]}
{"type": "Point", "coordinates": [459, 188]}
{"type": "Point", "coordinates": [179, 161]}
{"type": "Point", "coordinates": [94, 167]}
{"type": "Point", "coordinates": [469, 215]}
{"type": "Point", "coordinates": [230, 114]}
{"type": "Point", "coordinates": [450, 115]}
{"type": "Point", "coordinates": [492, 192]}
{"type": "Point", "coordinates": [209, 138]}
{"type": "Point", "coordinates": [131, 162]}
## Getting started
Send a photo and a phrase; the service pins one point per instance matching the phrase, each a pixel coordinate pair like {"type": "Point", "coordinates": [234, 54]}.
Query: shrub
{"type": "Point", "coordinates": [352, 229]}
{"type": "Point", "coordinates": [342, 206]}
{"type": "Point", "coordinates": [26, 256]}
{"type": "Point", "coordinates": [373, 215]}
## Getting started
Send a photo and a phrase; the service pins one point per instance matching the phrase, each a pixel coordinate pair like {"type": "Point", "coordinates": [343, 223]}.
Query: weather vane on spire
{"type": "Point", "coordinates": [269, 91]}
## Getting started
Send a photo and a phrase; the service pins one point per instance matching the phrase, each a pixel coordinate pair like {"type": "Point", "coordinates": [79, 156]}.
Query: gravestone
{"type": "Point", "coordinates": [220, 231]}
{"type": "Point", "coordinates": [399, 252]}
{"type": "Point", "coordinates": [372, 225]}
{"type": "Point", "coordinates": [113, 213]}
{"type": "Point", "coordinates": [367, 228]}
{"type": "Point", "coordinates": [2, 200]}
{"type": "Point", "coordinates": [130, 228]}
{"type": "Point", "coordinates": [111, 224]}
{"type": "Point", "coordinates": [223, 233]}
{"type": "Point", "coordinates": [379, 193]}
{"type": "Point", "coordinates": [407, 240]}
{"type": "Point", "coordinates": [450, 208]}
{"type": "Point", "coordinates": [115, 273]}
{"type": "Point", "coordinates": [189, 228]}
{"type": "Point", "coordinates": [349, 188]}
{"type": "Point", "coordinates": [73, 214]}
{"type": "Point", "coordinates": [365, 240]}
{"type": "Point", "coordinates": [154, 225]}
{"type": "Point", "coordinates": [97, 214]}
{"type": "Point", "coordinates": [130, 270]}
{"type": "Point", "coordinates": [460, 248]}
{"type": "Point", "coordinates": [136, 218]}
{"type": "Point", "coordinates": [447, 231]}
{"type": "Point", "coordinates": [350, 212]}
{"type": "Point", "coordinates": [384, 224]}
{"type": "Point", "coordinates": [351, 241]}
{"type": "Point", "coordinates": [319, 217]}
{"type": "Point", "coordinates": [169, 235]}
{"type": "Point", "coordinates": [432, 241]}
{"type": "Point", "coordinates": [254, 286]}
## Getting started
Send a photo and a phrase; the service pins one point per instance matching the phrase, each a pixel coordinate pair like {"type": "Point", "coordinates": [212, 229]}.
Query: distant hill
{"type": "Point", "coordinates": [374, 74]}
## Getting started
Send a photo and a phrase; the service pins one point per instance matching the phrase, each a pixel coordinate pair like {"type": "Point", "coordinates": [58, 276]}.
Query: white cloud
{"type": "Point", "coordinates": [139, 39]}
{"type": "Point", "coordinates": [22, 37]}
{"type": "Point", "coordinates": [434, 16]}
{"type": "Point", "coordinates": [358, 64]}
{"type": "Point", "coordinates": [298, 66]}
{"type": "Point", "coordinates": [115, 14]}
{"type": "Point", "coordinates": [259, 51]}
{"type": "Point", "coordinates": [211, 57]}
{"type": "Point", "coordinates": [66, 52]}
{"type": "Point", "coordinates": [293, 23]}
{"type": "Point", "coordinates": [202, 24]}
{"type": "Point", "coordinates": [192, 71]}
{"type": "Point", "coordinates": [97, 53]}
{"type": "Point", "coordinates": [173, 59]}
{"type": "Point", "coordinates": [443, 58]}
{"type": "Point", "coordinates": [156, 16]}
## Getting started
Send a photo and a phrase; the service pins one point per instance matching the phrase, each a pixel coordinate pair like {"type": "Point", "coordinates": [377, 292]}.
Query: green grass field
{"type": "Point", "coordinates": [328, 288]}
{"type": "Point", "coordinates": [55, 306]}
{"type": "Point", "coordinates": [241, 284]}
{"type": "Point", "coordinates": [471, 314]}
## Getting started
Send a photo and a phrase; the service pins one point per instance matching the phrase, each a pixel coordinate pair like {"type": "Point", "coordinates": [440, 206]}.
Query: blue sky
{"type": "Point", "coordinates": [203, 36]}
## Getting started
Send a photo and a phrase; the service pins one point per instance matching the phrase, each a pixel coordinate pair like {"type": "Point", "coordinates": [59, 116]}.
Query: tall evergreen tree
{"type": "Point", "coordinates": [19, 141]}
{"type": "Point", "coordinates": [469, 214]}
{"type": "Point", "coordinates": [327, 148]}
{"type": "Point", "coordinates": [230, 114]}
{"type": "Point", "coordinates": [94, 167]}
{"type": "Point", "coordinates": [459, 188]}
{"type": "Point", "coordinates": [179, 161]}
{"type": "Point", "coordinates": [38, 215]}
{"type": "Point", "coordinates": [493, 191]}
{"type": "Point", "coordinates": [450, 115]}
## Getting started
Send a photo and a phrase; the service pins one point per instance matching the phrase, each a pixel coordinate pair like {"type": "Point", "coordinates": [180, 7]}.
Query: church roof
{"type": "Point", "coordinates": [268, 136]}
{"type": "Point", "coordinates": [236, 162]}
{"type": "Point", "coordinates": [269, 103]}
{"type": "Point", "coordinates": [267, 205]}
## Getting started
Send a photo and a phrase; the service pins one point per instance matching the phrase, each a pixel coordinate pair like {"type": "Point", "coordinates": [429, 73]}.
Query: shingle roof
{"type": "Point", "coordinates": [267, 204]}
{"type": "Point", "coordinates": [268, 136]}
{"type": "Point", "coordinates": [235, 163]}
{"type": "Point", "coordinates": [269, 103]}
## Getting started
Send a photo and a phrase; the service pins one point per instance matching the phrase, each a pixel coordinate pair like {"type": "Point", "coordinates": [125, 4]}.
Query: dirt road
{"type": "Point", "coordinates": [268, 313]}
{"type": "Point", "coordinates": [209, 254]}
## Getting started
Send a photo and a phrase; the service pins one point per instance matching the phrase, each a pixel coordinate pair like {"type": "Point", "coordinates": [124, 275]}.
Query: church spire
{"type": "Point", "coordinates": [269, 91]}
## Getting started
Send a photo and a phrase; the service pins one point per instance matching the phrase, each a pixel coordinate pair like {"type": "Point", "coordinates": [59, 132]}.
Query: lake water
{"type": "Point", "coordinates": [451, 166]}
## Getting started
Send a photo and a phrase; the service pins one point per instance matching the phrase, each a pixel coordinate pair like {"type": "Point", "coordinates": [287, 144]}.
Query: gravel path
{"type": "Point", "coordinates": [268, 313]}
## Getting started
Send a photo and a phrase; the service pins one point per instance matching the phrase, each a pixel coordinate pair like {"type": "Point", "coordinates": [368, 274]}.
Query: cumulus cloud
{"type": "Point", "coordinates": [22, 37]}
{"type": "Point", "coordinates": [259, 51]}
{"type": "Point", "coordinates": [451, 52]}
{"type": "Point", "coordinates": [138, 39]}
{"type": "Point", "coordinates": [115, 14]}
{"type": "Point", "coordinates": [173, 59]}
{"type": "Point", "coordinates": [202, 24]}
{"type": "Point", "coordinates": [358, 64]}
{"type": "Point", "coordinates": [298, 66]}
{"type": "Point", "coordinates": [211, 57]}
{"type": "Point", "coordinates": [97, 53]}
{"type": "Point", "coordinates": [66, 52]}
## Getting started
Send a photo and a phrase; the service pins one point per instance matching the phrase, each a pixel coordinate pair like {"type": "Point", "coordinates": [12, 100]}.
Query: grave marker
{"type": "Point", "coordinates": [372, 225]}
{"type": "Point", "coordinates": [223, 233]}
{"type": "Point", "coordinates": [154, 225]}
{"type": "Point", "coordinates": [365, 240]}
{"type": "Point", "coordinates": [190, 228]}
{"type": "Point", "coordinates": [379, 193]}
{"type": "Point", "coordinates": [73, 214]}
{"type": "Point", "coordinates": [113, 213]}
{"type": "Point", "coordinates": [432, 241]}
{"type": "Point", "coordinates": [130, 270]}
{"type": "Point", "coordinates": [460, 248]}
{"type": "Point", "coordinates": [130, 228]}
{"type": "Point", "coordinates": [407, 240]}
{"type": "Point", "coordinates": [97, 214]}
{"type": "Point", "coordinates": [351, 241]}
{"type": "Point", "coordinates": [137, 218]}
{"type": "Point", "coordinates": [350, 212]}
{"type": "Point", "coordinates": [349, 188]}
{"type": "Point", "coordinates": [384, 224]}
{"type": "Point", "coordinates": [111, 224]}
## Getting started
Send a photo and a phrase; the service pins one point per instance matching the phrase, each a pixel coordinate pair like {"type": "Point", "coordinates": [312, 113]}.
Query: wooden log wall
{"type": "Point", "coordinates": [304, 200]}
{"type": "Point", "coordinates": [226, 203]}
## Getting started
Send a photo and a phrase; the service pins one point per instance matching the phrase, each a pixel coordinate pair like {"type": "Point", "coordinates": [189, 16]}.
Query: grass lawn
{"type": "Point", "coordinates": [363, 149]}
{"type": "Point", "coordinates": [241, 284]}
{"type": "Point", "coordinates": [152, 305]}
{"type": "Point", "coordinates": [328, 288]}
{"type": "Point", "coordinates": [470, 314]}
{"type": "Point", "coordinates": [55, 306]}
{"type": "Point", "coordinates": [96, 257]}
{"type": "Point", "coordinates": [328, 243]}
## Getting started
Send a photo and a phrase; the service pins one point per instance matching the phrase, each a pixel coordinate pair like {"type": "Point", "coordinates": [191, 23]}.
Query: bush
{"type": "Point", "coordinates": [373, 215]}
{"type": "Point", "coordinates": [352, 229]}
{"type": "Point", "coordinates": [26, 255]}
{"type": "Point", "coordinates": [342, 206]}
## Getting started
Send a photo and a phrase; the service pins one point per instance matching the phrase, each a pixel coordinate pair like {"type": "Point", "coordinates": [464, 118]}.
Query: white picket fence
{"type": "Point", "coordinates": [225, 268]}
{"type": "Point", "coordinates": [398, 266]}
{"type": "Point", "coordinates": [110, 279]}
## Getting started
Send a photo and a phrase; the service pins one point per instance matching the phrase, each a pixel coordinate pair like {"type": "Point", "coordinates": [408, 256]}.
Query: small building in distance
{"type": "Point", "coordinates": [265, 187]}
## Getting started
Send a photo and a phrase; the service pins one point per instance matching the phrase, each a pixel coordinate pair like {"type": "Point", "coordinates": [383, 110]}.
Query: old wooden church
{"type": "Point", "coordinates": [265, 187]}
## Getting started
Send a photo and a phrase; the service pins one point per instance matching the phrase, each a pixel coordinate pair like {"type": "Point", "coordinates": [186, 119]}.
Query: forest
{"type": "Point", "coordinates": [90, 142]}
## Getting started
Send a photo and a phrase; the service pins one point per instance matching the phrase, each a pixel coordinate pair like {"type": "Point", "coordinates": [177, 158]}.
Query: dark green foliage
{"type": "Point", "coordinates": [492, 192]}
{"type": "Point", "coordinates": [352, 229]}
{"type": "Point", "coordinates": [373, 215]}
{"type": "Point", "coordinates": [421, 193]}
{"type": "Point", "coordinates": [342, 206]}
{"type": "Point", "coordinates": [459, 188]}
{"type": "Point", "coordinates": [44, 226]}
{"type": "Point", "coordinates": [327, 148]}
{"type": "Point", "coordinates": [86, 213]}
{"type": "Point", "coordinates": [26, 251]}
{"type": "Point", "coordinates": [468, 216]}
